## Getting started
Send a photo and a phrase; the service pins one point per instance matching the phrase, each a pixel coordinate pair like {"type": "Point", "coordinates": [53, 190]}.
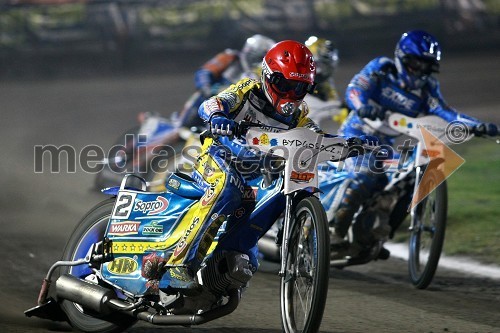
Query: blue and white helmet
{"type": "Point", "coordinates": [417, 56]}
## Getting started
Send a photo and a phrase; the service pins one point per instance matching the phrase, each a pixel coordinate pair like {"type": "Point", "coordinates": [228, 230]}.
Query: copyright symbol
{"type": "Point", "coordinates": [457, 132]}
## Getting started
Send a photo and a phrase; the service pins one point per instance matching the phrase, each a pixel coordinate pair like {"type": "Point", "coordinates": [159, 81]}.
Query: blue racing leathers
{"type": "Point", "coordinates": [375, 89]}
{"type": "Point", "coordinates": [227, 193]}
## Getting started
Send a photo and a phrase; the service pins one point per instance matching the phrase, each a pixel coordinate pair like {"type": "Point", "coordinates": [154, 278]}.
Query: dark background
{"type": "Point", "coordinates": [55, 38]}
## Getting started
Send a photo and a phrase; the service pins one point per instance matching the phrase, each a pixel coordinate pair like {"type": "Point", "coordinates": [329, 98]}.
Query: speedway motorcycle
{"type": "Point", "coordinates": [113, 262]}
{"type": "Point", "coordinates": [416, 187]}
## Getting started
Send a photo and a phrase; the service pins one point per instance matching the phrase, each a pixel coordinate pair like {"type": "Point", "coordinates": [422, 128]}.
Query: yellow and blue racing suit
{"type": "Point", "coordinates": [227, 194]}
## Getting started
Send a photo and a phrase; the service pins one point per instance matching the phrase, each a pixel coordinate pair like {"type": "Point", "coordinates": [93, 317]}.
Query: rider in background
{"type": "Point", "coordinates": [287, 75]}
{"type": "Point", "coordinates": [405, 84]}
{"type": "Point", "coordinates": [225, 68]}
{"type": "Point", "coordinates": [326, 56]}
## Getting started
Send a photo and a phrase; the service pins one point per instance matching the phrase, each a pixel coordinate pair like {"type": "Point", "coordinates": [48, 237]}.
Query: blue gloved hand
{"type": "Point", "coordinates": [485, 129]}
{"type": "Point", "coordinates": [371, 112]}
{"type": "Point", "coordinates": [221, 125]}
{"type": "Point", "coordinates": [369, 140]}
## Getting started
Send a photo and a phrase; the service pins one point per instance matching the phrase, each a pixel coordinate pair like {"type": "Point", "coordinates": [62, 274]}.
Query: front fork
{"type": "Point", "coordinates": [286, 234]}
{"type": "Point", "coordinates": [413, 214]}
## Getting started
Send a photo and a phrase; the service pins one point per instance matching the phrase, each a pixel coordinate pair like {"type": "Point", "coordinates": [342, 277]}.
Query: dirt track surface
{"type": "Point", "coordinates": [39, 211]}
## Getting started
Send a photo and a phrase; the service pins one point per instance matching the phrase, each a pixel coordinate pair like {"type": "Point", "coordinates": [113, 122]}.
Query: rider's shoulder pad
{"type": "Point", "coordinates": [381, 66]}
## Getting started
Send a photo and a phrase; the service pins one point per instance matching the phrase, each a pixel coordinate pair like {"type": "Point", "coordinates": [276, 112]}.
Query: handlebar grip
{"type": "Point", "coordinates": [243, 126]}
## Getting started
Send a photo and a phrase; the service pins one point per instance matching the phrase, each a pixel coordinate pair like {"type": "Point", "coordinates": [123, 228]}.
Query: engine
{"type": "Point", "coordinates": [224, 271]}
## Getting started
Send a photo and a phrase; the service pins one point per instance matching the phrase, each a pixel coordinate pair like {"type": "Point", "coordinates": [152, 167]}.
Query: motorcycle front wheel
{"type": "Point", "coordinates": [427, 235]}
{"type": "Point", "coordinates": [304, 287]}
{"type": "Point", "coordinates": [90, 230]}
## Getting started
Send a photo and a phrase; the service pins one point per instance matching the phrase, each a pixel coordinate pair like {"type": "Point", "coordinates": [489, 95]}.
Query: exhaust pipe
{"type": "Point", "coordinates": [104, 301]}
{"type": "Point", "coordinates": [195, 319]}
{"type": "Point", "coordinates": [87, 294]}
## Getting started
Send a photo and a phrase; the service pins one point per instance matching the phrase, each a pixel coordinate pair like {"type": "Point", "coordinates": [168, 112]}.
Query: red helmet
{"type": "Point", "coordinates": [288, 72]}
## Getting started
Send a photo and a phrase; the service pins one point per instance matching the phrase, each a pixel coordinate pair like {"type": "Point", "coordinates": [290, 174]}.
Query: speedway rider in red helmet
{"type": "Point", "coordinates": [288, 73]}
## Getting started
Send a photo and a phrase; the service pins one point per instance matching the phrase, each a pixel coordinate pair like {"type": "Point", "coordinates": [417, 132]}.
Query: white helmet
{"type": "Point", "coordinates": [253, 52]}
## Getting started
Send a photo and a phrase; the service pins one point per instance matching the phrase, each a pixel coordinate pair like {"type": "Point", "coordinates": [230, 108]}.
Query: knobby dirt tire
{"type": "Point", "coordinates": [430, 220]}
{"type": "Point", "coordinates": [307, 264]}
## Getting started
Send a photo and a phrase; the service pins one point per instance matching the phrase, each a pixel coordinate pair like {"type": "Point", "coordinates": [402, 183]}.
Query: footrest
{"type": "Point", "coordinates": [49, 310]}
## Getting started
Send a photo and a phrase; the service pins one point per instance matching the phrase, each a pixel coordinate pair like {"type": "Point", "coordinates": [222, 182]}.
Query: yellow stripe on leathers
{"type": "Point", "coordinates": [193, 219]}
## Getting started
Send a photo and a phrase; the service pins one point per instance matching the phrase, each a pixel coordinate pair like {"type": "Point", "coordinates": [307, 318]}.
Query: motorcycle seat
{"type": "Point", "coordinates": [184, 186]}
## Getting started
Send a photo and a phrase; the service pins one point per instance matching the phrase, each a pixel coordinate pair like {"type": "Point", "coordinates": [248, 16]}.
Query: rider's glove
{"type": "Point", "coordinates": [371, 112]}
{"type": "Point", "coordinates": [369, 140]}
{"type": "Point", "coordinates": [356, 144]}
{"type": "Point", "coordinates": [221, 125]}
{"type": "Point", "coordinates": [485, 129]}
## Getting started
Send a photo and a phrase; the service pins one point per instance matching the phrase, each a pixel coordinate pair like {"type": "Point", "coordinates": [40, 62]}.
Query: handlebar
{"type": "Point", "coordinates": [243, 126]}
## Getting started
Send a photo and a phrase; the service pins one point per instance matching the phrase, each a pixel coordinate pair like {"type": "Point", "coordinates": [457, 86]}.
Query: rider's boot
{"type": "Point", "coordinates": [179, 279]}
{"type": "Point", "coordinates": [384, 254]}
{"type": "Point", "coordinates": [352, 198]}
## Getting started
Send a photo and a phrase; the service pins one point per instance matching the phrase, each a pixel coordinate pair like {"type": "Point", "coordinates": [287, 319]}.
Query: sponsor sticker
{"type": "Point", "coordinates": [152, 207]}
{"type": "Point", "coordinates": [182, 243]}
{"type": "Point", "coordinates": [264, 140]}
{"type": "Point", "coordinates": [301, 177]}
{"type": "Point", "coordinates": [208, 170]}
{"type": "Point", "coordinates": [250, 193]}
{"type": "Point", "coordinates": [123, 266]}
{"type": "Point", "coordinates": [239, 212]}
{"type": "Point", "coordinates": [299, 75]}
{"type": "Point", "coordinates": [208, 197]}
{"type": "Point", "coordinates": [124, 228]}
{"type": "Point", "coordinates": [213, 105]}
{"type": "Point", "coordinates": [174, 183]}
{"type": "Point", "coordinates": [152, 229]}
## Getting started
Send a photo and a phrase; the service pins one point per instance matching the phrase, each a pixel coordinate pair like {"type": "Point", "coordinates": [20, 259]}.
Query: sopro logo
{"type": "Point", "coordinates": [152, 207]}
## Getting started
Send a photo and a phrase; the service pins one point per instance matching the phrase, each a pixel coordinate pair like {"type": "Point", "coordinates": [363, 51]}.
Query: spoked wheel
{"type": "Point", "coordinates": [427, 236]}
{"type": "Point", "coordinates": [305, 285]}
{"type": "Point", "coordinates": [90, 230]}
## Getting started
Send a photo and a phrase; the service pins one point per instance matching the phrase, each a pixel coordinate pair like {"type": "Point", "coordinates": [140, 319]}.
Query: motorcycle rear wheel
{"type": "Point", "coordinates": [304, 287]}
{"type": "Point", "coordinates": [90, 229]}
{"type": "Point", "coordinates": [427, 236]}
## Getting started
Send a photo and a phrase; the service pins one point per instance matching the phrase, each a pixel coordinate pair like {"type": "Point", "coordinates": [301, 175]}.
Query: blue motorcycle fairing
{"type": "Point", "coordinates": [332, 177]}
{"type": "Point", "coordinates": [184, 186]}
{"type": "Point", "coordinates": [144, 228]}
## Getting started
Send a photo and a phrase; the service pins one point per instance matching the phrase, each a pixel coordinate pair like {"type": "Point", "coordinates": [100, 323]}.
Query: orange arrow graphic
{"type": "Point", "coordinates": [442, 158]}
